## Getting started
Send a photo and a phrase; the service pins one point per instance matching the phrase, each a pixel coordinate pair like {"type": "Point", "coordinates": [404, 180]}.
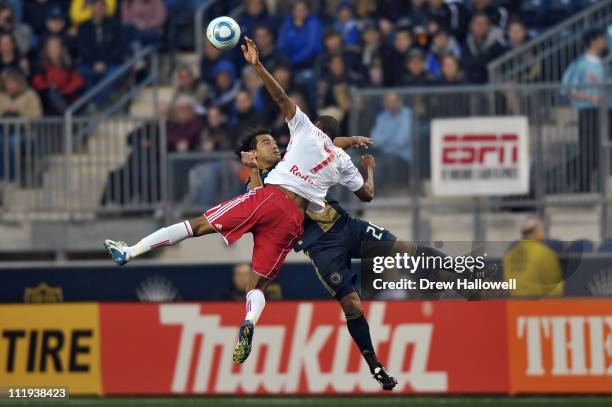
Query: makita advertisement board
{"type": "Point", "coordinates": [467, 347]}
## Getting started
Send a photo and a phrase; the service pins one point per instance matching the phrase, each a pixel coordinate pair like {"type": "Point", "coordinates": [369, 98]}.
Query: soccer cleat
{"type": "Point", "coordinates": [387, 381]}
{"type": "Point", "coordinates": [245, 337]}
{"type": "Point", "coordinates": [117, 251]}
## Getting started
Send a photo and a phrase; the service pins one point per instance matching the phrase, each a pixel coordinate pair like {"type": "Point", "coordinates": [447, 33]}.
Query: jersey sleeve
{"type": "Point", "coordinates": [349, 174]}
{"type": "Point", "coordinates": [299, 124]}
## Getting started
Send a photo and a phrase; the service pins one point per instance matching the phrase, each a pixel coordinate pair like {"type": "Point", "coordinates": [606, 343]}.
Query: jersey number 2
{"type": "Point", "coordinates": [375, 231]}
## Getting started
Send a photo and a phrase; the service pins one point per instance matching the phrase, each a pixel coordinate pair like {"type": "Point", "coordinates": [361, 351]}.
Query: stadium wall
{"type": "Point", "coordinates": [455, 347]}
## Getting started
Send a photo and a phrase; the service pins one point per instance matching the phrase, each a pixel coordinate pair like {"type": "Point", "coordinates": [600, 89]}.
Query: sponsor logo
{"type": "Point", "coordinates": [157, 289]}
{"type": "Point", "coordinates": [572, 345]}
{"type": "Point", "coordinates": [43, 293]}
{"type": "Point", "coordinates": [296, 171]}
{"type": "Point", "coordinates": [409, 344]}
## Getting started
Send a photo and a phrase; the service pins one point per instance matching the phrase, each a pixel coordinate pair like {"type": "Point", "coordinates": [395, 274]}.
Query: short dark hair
{"type": "Point", "coordinates": [591, 35]}
{"type": "Point", "coordinates": [248, 142]}
{"type": "Point", "coordinates": [329, 125]}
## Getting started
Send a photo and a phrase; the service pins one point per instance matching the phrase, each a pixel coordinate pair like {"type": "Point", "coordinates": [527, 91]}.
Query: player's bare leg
{"type": "Point", "coordinates": [359, 329]}
{"type": "Point", "coordinates": [121, 253]}
{"type": "Point", "coordinates": [255, 303]}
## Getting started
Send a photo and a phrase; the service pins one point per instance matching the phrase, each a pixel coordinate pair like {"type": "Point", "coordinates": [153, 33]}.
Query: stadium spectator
{"type": "Point", "coordinates": [517, 36]}
{"type": "Point", "coordinates": [334, 45]}
{"type": "Point", "coordinates": [36, 13]}
{"type": "Point", "coordinates": [83, 10]}
{"type": "Point", "coordinates": [498, 15]}
{"type": "Point", "coordinates": [255, 15]}
{"type": "Point", "coordinates": [10, 56]}
{"type": "Point", "coordinates": [346, 24]}
{"type": "Point", "coordinates": [17, 99]}
{"type": "Point", "coordinates": [147, 17]}
{"type": "Point", "coordinates": [138, 180]}
{"type": "Point", "coordinates": [269, 55]}
{"type": "Point", "coordinates": [216, 134]}
{"type": "Point", "coordinates": [484, 43]}
{"type": "Point", "coordinates": [450, 71]}
{"type": "Point", "coordinates": [451, 16]}
{"type": "Point", "coordinates": [533, 264]}
{"type": "Point", "coordinates": [101, 47]}
{"type": "Point", "coordinates": [210, 57]}
{"type": "Point", "coordinates": [416, 74]}
{"type": "Point", "coordinates": [335, 88]}
{"type": "Point", "coordinates": [56, 25]}
{"type": "Point", "coordinates": [392, 140]}
{"type": "Point", "coordinates": [588, 70]}
{"type": "Point", "coordinates": [236, 290]}
{"type": "Point", "coordinates": [187, 85]}
{"type": "Point", "coordinates": [206, 178]}
{"type": "Point", "coordinates": [253, 85]}
{"type": "Point", "coordinates": [393, 63]}
{"type": "Point", "coordinates": [57, 80]}
{"type": "Point", "coordinates": [372, 52]}
{"type": "Point", "coordinates": [244, 115]}
{"type": "Point", "coordinates": [419, 14]}
{"type": "Point", "coordinates": [185, 128]}
{"type": "Point", "coordinates": [22, 32]}
{"type": "Point", "coordinates": [442, 44]}
{"type": "Point", "coordinates": [226, 86]}
{"type": "Point", "coordinates": [299, 37]}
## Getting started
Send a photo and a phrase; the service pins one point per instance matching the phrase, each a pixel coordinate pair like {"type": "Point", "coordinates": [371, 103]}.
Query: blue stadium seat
{"type": "Point", "coordinates": [581, 246]}
{"type": "Point", "coordinates": [556, 245]}
{"type": "Point", "coordinates": [605, 246]}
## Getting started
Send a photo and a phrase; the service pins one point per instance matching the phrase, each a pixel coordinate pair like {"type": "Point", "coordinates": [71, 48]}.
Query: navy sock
{"type": "Point", "coordinates": [360, 331]}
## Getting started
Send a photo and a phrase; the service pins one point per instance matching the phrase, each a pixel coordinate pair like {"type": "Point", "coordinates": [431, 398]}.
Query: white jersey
{"type": "Point", "coordinates": [312, 164]}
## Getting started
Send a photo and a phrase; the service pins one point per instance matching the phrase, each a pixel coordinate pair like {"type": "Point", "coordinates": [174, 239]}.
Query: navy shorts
{"type": "Point", "coordinates": [332, 253]}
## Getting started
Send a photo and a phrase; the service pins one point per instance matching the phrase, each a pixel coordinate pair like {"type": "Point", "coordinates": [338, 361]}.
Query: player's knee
{"type": "Point", "coordinates": [200, 226]}
{"type": "Point", "coordinates": [351, 305]}
{"type": "Point", "coordinates": [256, 282]}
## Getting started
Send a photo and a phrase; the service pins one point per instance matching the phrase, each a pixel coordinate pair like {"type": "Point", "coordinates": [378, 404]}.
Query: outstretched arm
{"type": "Point", "coordinates": [251, 54]}
{"type": "Point", "coordinates": [355, 142]}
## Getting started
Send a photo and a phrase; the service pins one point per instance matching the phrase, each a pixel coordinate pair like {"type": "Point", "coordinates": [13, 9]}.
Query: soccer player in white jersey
{"type": "Point", "coordinates": [273, 213]}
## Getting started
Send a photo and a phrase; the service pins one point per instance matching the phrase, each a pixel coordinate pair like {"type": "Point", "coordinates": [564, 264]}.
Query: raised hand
{"type": "Point", "coordinates": [360, 141]}
{"type": "Point", "coordinates": [248, 159]}
{"type": "Point", "coordinates": [250, 52]}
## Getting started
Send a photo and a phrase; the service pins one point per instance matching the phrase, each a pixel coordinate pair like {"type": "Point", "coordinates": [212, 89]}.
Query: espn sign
{"type": "Point", "coordinates": [480, 156]}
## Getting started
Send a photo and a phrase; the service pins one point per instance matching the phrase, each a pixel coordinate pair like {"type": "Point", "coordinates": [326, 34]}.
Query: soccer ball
{"type": "Point", "coordinates": [223, 33]}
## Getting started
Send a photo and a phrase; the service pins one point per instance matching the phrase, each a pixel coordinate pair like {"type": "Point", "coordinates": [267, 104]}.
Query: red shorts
{"type": "Point", "coordinates": [275, 221]}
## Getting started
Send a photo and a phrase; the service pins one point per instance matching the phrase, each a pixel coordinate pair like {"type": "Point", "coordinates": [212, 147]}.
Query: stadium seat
{"type": "Point", "coordinates": [581, 246]}
{"type": "Point", "coordinates": [555, 244]}
{"type": "Point", "coordinates": [605, 246]}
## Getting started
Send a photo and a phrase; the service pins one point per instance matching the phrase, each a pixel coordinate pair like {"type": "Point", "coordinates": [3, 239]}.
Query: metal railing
{"type": "Point", "coordinates": [545, 58]}
{"type": "Point", "coordinates": [569, 148]}
{"type": "Point", "coordinates": [122, 165]}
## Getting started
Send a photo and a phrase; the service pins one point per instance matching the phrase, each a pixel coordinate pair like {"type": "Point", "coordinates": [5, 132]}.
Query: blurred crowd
{"type": "Point", "coordinates": [52, 51]}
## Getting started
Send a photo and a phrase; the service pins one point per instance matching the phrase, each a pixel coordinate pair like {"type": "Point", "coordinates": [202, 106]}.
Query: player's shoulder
{"type": "Point", "coordinates": [341, 155]}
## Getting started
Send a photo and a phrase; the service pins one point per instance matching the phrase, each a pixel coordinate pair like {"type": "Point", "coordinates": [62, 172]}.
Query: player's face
{"type": "Point", "coordinates": [267, 152]}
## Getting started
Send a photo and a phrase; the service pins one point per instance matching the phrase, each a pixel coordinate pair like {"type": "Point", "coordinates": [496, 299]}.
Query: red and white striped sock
{"type": "Point", "coordinates": [163, 237]}
{"type": "Point", "coordinates": [255, 303]}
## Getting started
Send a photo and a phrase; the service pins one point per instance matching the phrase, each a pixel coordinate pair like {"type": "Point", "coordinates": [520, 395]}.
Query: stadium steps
{"type": "Point", "coordinates": [144, 104]}
{"type": "Point", "coordinates": [106, 150]}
